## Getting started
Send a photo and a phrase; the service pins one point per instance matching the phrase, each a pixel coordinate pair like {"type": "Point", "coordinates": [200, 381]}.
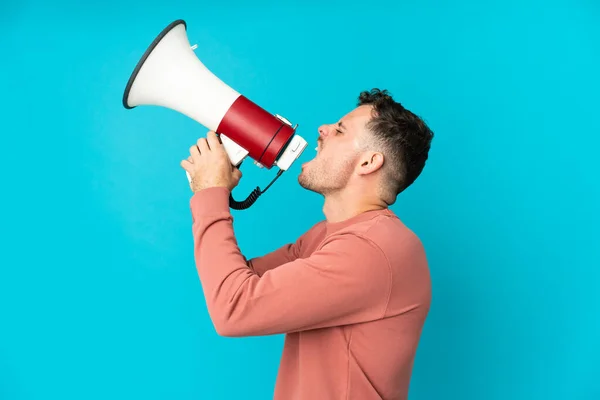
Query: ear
{"type": "Point", "coordinates": [370, 162]}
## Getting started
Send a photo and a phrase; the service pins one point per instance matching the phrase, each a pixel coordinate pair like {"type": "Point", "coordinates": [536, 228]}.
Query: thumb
{"type": "Point", "coordinates": [237, 174]}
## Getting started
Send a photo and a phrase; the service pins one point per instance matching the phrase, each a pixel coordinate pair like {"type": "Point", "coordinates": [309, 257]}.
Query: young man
{"type": "Point", "coordinates": [353, 292]}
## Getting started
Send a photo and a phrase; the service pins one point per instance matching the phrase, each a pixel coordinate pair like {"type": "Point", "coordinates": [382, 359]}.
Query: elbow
{"type": "Point", "coordinates": [220, 322]}
{"type": "Point", "coordinates": [225, 323]}
{"type": "Point", "coordinates": [230, 318]}
{"type": "Point", "coordinates": [227, 328]}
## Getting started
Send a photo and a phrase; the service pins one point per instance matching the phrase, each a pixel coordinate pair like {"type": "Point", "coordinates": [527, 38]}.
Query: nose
{"type": "Point", "coordinates": [324, 131]}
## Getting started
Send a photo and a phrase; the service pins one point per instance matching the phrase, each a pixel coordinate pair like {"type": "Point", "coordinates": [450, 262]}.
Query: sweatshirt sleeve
{"type": "Point", "coordinates": [282, 255]}
{"type": "Point", "coordinates": [286, 253]}
{"type": "Point", "coordinates": [347, 280]}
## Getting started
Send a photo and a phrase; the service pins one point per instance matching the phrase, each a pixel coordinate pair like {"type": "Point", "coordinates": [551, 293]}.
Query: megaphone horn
{"type": "Point", "coordinates": [170, 75]}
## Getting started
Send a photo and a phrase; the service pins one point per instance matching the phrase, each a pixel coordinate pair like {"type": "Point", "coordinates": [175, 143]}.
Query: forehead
{"type": "Point", "coordinates": [355, 120]}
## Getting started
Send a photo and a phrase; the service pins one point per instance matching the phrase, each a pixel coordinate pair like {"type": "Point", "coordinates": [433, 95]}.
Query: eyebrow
{"type": "Point", "coordinates": [341, 125]}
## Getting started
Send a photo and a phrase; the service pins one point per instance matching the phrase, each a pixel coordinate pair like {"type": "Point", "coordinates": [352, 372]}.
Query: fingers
{"type": "Point", "coordinates": [214, 141]}
{"type": "Point", "coordinates": [237, 174]}
{"type": "Point", "coordinates": [195, 153]}
{"type": "Point", "coordinates": [203, 146]}
{"type": "Point", "coordinates": [187, 165]}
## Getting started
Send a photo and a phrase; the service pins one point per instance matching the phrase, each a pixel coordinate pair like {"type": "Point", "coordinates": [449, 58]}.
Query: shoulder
{"type": "Point", "coordinates": [389, 255]}
{"type": "Point", "coordinates": [384, 228]}
{"type": "Point", "coordinates": [308, 240]}
{"type": "Point", "coordinates": [387, 233]}
{"type": "Point", "coordinates": [316, 231]}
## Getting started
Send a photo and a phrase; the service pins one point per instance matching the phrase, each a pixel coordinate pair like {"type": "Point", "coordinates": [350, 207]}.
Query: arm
{"type": "Point", "coordinates": [284, 254]}
{"type": "Point", "coordinates": [346, 281]}
{"type": "Point", "coordinates": [280, 256]}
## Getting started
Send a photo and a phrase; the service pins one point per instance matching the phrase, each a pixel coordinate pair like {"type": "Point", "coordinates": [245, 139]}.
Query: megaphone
{"type": "Point", "coordinates": [169, 74]}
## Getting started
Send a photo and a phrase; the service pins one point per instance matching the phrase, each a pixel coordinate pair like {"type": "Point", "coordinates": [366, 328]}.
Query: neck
{"type": "Point", "coordinates": [341, 206]}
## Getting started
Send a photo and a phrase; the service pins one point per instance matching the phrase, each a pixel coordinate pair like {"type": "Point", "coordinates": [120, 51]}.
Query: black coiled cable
{"type": "Point", "coordinates": [242, 205]}
{"type": "Point", "coordinates": [252, 197]}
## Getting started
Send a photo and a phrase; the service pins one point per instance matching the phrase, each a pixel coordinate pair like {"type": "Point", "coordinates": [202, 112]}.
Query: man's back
{"type": "Point", "coordinates": [370, 354]}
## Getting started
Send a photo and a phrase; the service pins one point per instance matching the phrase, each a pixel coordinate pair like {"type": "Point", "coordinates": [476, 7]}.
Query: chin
{"type": "Point", "coordinates": [303, 179]}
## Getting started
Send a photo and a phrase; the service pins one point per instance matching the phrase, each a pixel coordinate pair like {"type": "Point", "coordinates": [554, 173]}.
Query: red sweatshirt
{"type": "Point", "coordinates": [351, 297]}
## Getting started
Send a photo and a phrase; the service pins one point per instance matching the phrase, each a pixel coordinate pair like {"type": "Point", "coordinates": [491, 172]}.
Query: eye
{"type": "Point", "coordinates": [338, 132]}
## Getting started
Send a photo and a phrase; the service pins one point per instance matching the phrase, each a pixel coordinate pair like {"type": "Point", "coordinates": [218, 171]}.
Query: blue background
{"type": "Point", "coordinates": [99, 296]}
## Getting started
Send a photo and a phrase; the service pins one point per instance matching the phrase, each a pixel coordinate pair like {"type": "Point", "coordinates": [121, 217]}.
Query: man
{"type": "Point", "coordinates": [352, 293]}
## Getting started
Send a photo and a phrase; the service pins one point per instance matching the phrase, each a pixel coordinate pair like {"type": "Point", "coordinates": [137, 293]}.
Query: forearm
{"type": "Point", "coordinates": [219, 263]}
{"type": "Point", "coordinates": [271, 260]}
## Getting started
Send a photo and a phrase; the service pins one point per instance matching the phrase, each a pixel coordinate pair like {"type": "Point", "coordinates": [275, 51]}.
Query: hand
{"type": "Point", "coordinates": [210, 166]}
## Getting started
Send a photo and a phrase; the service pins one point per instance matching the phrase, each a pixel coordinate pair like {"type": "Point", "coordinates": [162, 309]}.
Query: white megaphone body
{"type": "Point", "coordinates": [170, 75]}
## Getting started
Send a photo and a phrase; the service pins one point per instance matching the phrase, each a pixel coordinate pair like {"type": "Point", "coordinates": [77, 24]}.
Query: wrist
{"type": "Point", "coordinates": [210, 200]}
{"type": "Point", "coordinates": [208, 185]}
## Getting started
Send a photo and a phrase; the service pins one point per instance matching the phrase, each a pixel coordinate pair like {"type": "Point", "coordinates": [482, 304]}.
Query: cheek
{"type": "Point", "coordinates": [345, 162]}
{"type": "Point", "coordinates": [332, 166]}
